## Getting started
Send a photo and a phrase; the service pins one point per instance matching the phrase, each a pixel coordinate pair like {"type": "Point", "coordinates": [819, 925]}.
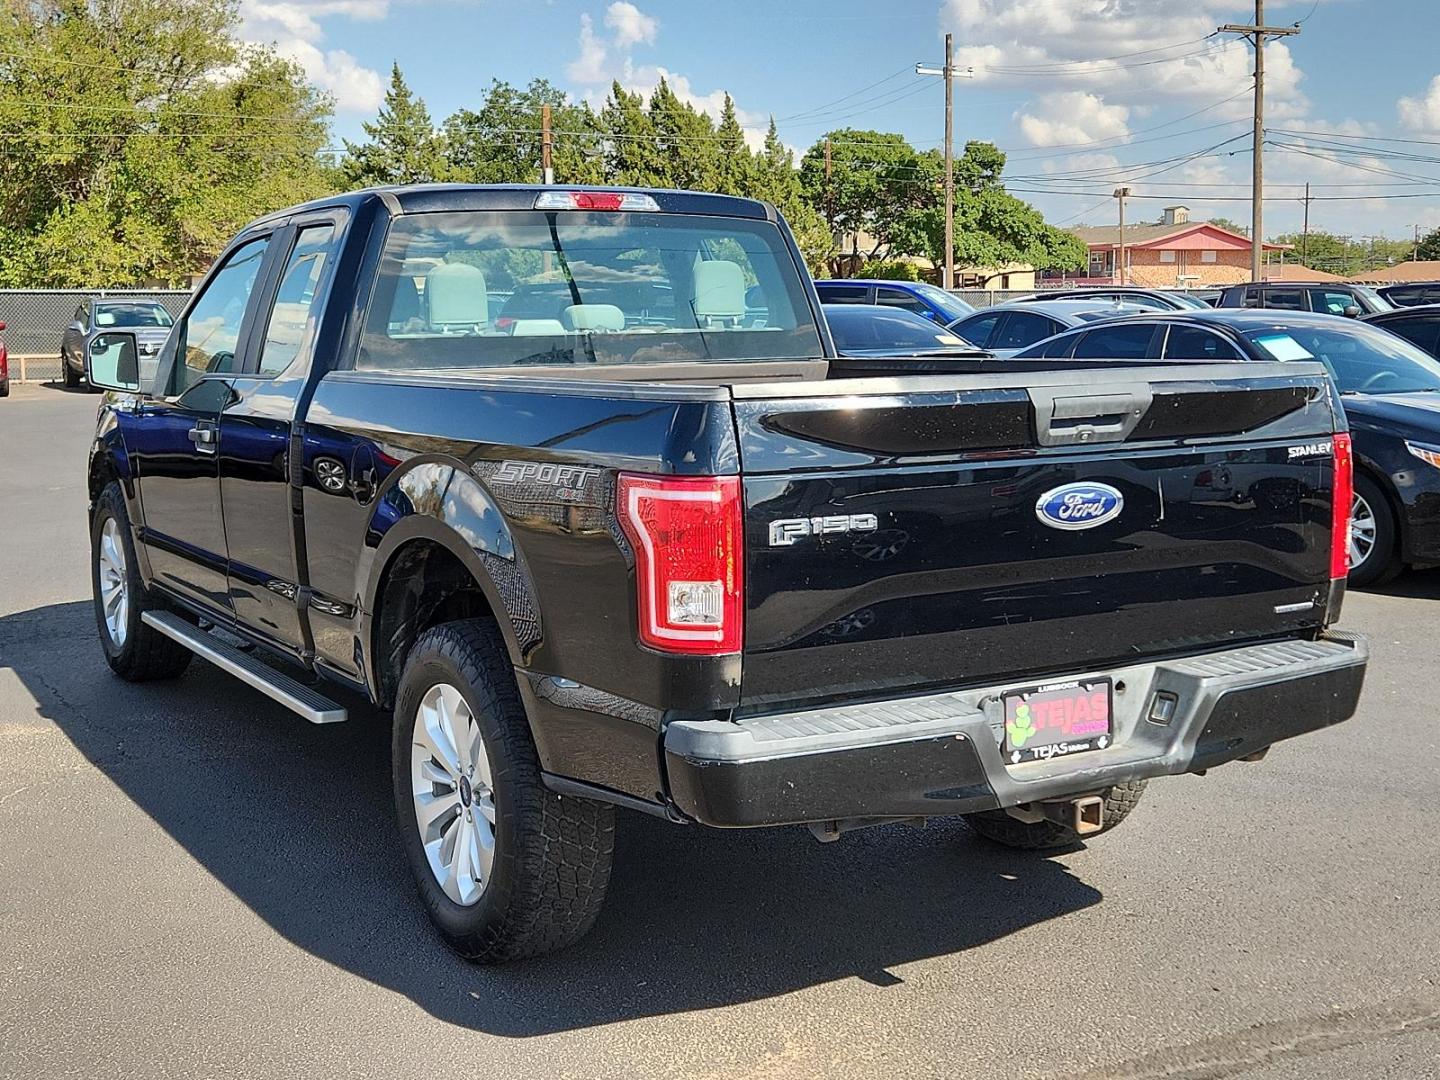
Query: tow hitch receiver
{"type": "Point", "coordinates": [1085, 815]}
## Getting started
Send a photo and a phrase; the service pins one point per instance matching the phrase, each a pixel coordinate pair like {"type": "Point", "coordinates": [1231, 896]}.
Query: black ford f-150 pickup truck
{"type": "Point", "coordinates": [573, 481]}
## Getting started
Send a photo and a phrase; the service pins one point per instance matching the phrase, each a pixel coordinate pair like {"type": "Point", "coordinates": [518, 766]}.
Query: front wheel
{"type": "Point", "coordinates": [1373, 558]}
{"type": "Point", "coordinates": [68, 376]}
{"type": "Point", "coordinates": [1000, 828]}
{"type": "Point", "coordinates": [506, 868]}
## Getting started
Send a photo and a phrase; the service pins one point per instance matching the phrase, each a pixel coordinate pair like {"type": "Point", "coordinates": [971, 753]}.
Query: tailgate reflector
{"type": "Point", "coordinates": [686, 532]}
{"type": "Point", "coordinates": [1342, 494]}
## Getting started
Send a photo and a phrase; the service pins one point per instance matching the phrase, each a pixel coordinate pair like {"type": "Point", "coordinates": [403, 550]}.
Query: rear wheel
{"type": "Point", "coordinates": [135, 651]}
{"type": "Point", "coordinates": [505, 868]}
{"type": "Point", "coordinates": [1373, 551]}
{"type": "Point", "coordinates": [1000, 828]}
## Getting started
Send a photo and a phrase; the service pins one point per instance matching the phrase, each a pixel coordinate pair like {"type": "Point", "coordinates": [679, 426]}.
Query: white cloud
{"type": "Point", "coordinates": [294, 28]}
{"type": "Point", "coordinates": [1421, 113]}
{"type": "Point", "coordinates": [631, 25]}
{"type": "Point", "coordinates": [589, 67]}
{"type": "Point", "coordinates": [1073, 116]}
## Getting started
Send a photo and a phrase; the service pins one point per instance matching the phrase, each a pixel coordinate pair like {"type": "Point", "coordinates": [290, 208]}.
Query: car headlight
{"type": "Point", "coordinates": [1426, 453]}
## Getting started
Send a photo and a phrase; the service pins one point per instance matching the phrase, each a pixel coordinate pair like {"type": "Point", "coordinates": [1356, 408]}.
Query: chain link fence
{"type": "Point", "coordinates": [35, 318]}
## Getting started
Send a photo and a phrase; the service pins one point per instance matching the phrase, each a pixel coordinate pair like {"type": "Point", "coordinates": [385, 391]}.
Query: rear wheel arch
{"type": "Point", "coordinates": [1367, 469]}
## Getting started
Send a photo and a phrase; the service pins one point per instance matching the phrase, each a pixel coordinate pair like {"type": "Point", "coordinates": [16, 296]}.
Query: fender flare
{"type": "Point", "coordinates": [439, 500]}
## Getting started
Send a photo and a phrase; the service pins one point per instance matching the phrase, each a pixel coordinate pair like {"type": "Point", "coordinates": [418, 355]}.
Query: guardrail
{"type": "Point", "coordinates": [35, 318]}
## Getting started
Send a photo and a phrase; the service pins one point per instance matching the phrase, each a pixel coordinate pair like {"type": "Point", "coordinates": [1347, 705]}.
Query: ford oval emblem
{"type": "Point", "coordinates": [1079, 506]}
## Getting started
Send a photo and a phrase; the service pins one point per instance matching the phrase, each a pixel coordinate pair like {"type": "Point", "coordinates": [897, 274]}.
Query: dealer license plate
{"type": "Point", "coordinates": [1057, 719]}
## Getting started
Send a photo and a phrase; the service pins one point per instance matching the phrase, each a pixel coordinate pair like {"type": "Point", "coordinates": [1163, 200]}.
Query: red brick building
{"type": "Point", "coordinates": [1174, 253]}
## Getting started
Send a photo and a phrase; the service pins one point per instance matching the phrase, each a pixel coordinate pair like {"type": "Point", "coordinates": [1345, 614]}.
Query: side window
{"type": "Point", "coordinates": [1252, 297]}
{"type": "Point", "coordinates": [1197, 343]}
{"type": "Point", "coordinates": [1022, 328]}
{"type": "Point", "coordinates": [843, 294]}
{"type": "Point", "coordinates": [1422, 332]}
{"type": "Point", "coordinates": [1331, 300]}
{"type": "Point", "coordinates": [1060, 347]}
{"type": "Point", "coordinates": [1285, 299]}
{"type": "Point", "coordinates": [212, 329]}
{"type": "Point", "coordinates": [1129, 341]}
{"type": "Point", "coordinates": [977, 330]}
{"type": "Point", "coordinates": [901, 299]}
{"type": "Point", "coordinates": [290, 323]}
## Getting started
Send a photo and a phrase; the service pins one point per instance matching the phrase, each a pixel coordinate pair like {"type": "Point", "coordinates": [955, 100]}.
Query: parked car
{"type": "Point", "coordinates": [692, 568]}
{"type": "Point", "coordinates": [1417, 325]}
{"type": "Point", "coordinates": [918, 297]}
{"type": "Point", "coordinates": [1411, 293]}
{"type": "Point", "coordinates": [868, 330]}
{"type": "Point", "coordinates": [1331, 299]}
{"type": "Point", "coordinates": [4, 366]}
{"type": "Point", "coordinates": [1018, 324]}
{"type": "Point", "coordinates": [1389, 388]}
{"type": "Point", "coordinates": [1158, 299]}
{"type": "Point", "coordinates": [148, 319]}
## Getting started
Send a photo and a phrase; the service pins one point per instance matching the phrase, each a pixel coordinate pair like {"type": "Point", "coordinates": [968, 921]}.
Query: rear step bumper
{"type": "Point", "coordinates": [940, 754]}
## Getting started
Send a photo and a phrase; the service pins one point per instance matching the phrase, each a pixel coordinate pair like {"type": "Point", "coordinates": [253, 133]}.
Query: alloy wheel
{"type": "Point", "coordinates": [453, 793]}
{"type": "Point", "coordinates": [114, 583]}
{"type": "Point", "coordinates": [1362, 531]}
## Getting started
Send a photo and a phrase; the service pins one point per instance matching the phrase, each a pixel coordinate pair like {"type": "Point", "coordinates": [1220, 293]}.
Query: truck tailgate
{"type": "Point", "coordinates": [903, 534]}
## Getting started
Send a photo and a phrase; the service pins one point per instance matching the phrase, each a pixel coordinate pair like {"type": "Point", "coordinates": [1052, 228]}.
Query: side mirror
{"type": "Point", "coordinates": [112, 362]}
{"type": "Point", "coordinates": [1353, 311]}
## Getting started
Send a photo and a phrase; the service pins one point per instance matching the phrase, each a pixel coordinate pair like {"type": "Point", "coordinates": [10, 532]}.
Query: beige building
{"type": "Point", "coordinates": [1173, 253]}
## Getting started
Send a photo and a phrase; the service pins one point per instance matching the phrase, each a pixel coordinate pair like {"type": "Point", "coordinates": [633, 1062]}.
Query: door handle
{"type": "Point", "coordinates": [203, 436]}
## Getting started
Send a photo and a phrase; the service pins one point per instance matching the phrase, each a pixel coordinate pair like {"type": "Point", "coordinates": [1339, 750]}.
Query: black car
{"type": "Point", "coordinates": [1411, 294]}
{"type": "Point", "coordinates": [868, 330]}
{"type": "Point", "coordinates": [1330, 299]}
{"type": "Point", "coordinates": [1419, 325]}
{"type": "Point", "coordinates": [1390, 390]}
{"type": "Point", "coordinates": [1158, 299]}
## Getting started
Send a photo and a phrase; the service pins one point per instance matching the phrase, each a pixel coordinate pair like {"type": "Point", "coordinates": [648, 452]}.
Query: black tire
{"type": "Point", "coordinates": [552, 853]}
{"type": "Point", "coordinates": [68, 375]}
{"type": "Point", "coordinates": [1383, 562]}
{"type": "Point", "coordinates": [144, 653]}
{"type": "Point", "coordinates": [1000, 828]}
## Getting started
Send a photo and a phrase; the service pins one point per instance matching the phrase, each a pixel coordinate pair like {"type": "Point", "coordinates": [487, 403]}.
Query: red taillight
{"type": "Point", "coordinates": [594, 200]}
{"type": "Point", "coordinates": [1342, 493]}
{"type": "Point", "coordinates": [688, 559]}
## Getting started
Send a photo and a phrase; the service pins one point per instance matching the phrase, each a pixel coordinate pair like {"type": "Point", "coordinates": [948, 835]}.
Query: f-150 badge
{"type": "Point", "coordinates": [787, 531]}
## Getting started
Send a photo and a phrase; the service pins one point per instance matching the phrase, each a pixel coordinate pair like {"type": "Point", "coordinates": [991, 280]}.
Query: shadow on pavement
{"type": "Point", "coordinates": [298, 822]}
{"type": "Point", "coordinates": [1412, 584]}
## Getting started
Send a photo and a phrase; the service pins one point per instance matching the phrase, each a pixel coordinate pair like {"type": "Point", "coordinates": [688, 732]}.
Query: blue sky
{"type": "Point", "coordinates": [1083, 94]}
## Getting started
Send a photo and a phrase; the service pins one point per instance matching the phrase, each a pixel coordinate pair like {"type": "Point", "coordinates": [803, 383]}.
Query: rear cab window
{"type": "Point", "coordinates": [483, 289]}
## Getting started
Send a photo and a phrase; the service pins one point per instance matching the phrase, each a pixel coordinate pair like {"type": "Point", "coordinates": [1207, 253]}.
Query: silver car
{"type": "Point", "coordinates": [146, 319]}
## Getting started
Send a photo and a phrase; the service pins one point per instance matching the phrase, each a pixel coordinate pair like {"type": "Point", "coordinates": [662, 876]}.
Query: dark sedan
{"type": "Point", "coordinates": [148, 320]}
{"type": "Point", "coordinates": [1158, 299]}
{"type": "Point", "coordinates": [1418, 325]}
{"type": "Point", "coordinates": [1390, 389]}
{"type": "Point", "coordinates": [868, 330]}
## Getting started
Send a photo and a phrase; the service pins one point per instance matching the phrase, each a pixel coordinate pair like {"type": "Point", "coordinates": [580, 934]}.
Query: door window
{"type": "Point", "coordinates": [212, 329]}
{"type": "Point", "coordinates": [843, 294]}
{"type": "Point", "coordinates": [1331, 300]}
{"type": "Point", "coordinates": [901, 299]}
{"type": "Point", "coordinates": [977, 329]}
{"type": "Point", "coordinates": [1422, 332]}
{"type": "Point", "coordinates": [1197, 343]}
{"type": "Point", "coordinates": [1130, 341]}
{"type": "Point", "coordinates": [1284, 299]}
{"type": "Point", "coordinates": [290, 324]}
{"type": "Point", "coordinates": [1022, 328]}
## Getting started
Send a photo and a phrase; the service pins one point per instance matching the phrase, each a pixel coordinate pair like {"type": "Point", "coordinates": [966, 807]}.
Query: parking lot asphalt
{"type": "Point", "coordinates": [196, 883]}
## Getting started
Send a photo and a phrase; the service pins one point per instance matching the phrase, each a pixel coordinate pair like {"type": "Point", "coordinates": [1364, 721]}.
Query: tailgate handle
{"type": "Point", "coordinates": [1064, 417]}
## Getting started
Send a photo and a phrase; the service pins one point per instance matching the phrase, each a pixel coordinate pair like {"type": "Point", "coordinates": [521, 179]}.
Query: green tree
{"type": "Point", "coordinates": [401, 146]}
{"type": "Point", "coordinates": [777, 181]}
{"type": "Point", "coordinates": [684, 141]}
{"type": "Point", "coordinates": [142, 136]}
{"type": "Point", "coordinates": [632, 155]}
{"type": "Point", "coordinates": [500, 142]}
{"type": "Point", "coordinates": [1429, 246]}
{"type": "Point", "coordinates": [1233, 226]}
{"type": "Point", "coordinates": [735, 168]}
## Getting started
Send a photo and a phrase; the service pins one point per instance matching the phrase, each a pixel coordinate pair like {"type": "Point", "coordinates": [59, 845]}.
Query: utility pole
{"type": "Point", "coordinates": [547, 171]}
{"type": "Point", "coordinates": [1415, 252]}
{"type": "Point", "coordinates": [1305, 229]}
{"type": "Point", "coordinates": [1120, 194]}
{"type": "Point", "coordinates": [1258, 33]}
{"type": "Point", "coordinates": [948, 73]}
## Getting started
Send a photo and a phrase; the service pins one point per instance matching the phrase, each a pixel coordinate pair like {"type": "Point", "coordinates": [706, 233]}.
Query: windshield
{"type": "Point", "coordinates": [1378, 302]}
{"type": "Point", "coordinates": [131, 315]}
{"type": "Point", "coordinates": [478, 289]}
{"type": "Point", "coordinates": [948, 304]}
{"type": "Point", "coordinates": [870, 328]}
{"type": "Point", "coordinates": [1361, 359]}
